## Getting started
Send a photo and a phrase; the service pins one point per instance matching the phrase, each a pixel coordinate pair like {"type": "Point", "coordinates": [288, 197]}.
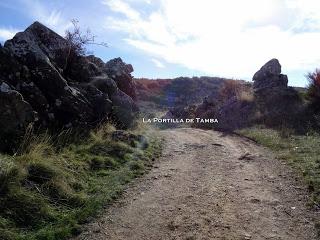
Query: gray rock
{"type": "Point", "coordinates": [120, 72]}
{"type": "Point", "coordinates": [235, 114]}
{"type": "Point", "coordinates": [270, 76]}
{"type": "Point", "coordinates": [43, 53]}
{"type": "Point", "coordinates": [276, 102]}
{"type": "Point", "coordinates": [39, 49]}
{"type": "Point", "coordinates": [16, 115]}
{"type": "Point", "coordinates": [124, 109]}
{"type": "Point", "coordinates": [41, 78]}
{"type": "Point", "coordinates": [105, 84]}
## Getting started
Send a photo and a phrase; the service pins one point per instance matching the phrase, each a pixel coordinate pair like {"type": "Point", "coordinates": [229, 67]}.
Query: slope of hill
{"type": "Point", "coordinates": [182, 91]}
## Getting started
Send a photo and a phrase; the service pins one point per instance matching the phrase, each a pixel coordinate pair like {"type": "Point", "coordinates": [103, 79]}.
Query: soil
{"type": "Point", "coordinates": [209, 185]}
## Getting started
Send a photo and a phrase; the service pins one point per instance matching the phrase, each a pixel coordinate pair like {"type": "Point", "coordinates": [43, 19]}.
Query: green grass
{"type": "Point", "coordinates": [48, 191]}
{"type": "Point", "coordinates": [302, 152]}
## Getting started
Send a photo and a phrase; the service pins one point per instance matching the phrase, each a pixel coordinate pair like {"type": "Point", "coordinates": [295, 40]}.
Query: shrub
{"type": "Point", "coordinates": [313, 93]}
{"type": "Point", "coordinates": [76, 45]}
{"type": "Point", "coordinates": [229, 89]}
{"type": "Point", "coordinates": [246, 95]}
{"type": "Point", "coordinates": [235, 89]}
{"type": "Point", "coordinates": [78, 40]}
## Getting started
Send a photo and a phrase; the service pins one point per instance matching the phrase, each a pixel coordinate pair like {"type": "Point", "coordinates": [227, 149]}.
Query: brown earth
{"type": "Point", "coordinates": [208, 185]}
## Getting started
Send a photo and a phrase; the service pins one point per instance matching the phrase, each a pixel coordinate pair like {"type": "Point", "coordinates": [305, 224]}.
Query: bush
{"type": "Point", "coordinates": [235, 89]}
{"type": "Point", "coordinates": [229, 89]}
{"type": "Point", "coordinates": [76, 46]}
{"type": "Point", "coordinates": [313, 93]}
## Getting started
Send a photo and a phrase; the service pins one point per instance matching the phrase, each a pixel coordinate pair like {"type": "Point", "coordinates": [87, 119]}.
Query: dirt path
{"type": "Point", "coordinates": [210, 186]}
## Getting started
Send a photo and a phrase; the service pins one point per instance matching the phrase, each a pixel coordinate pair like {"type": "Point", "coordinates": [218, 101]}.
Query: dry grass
{"type": "Point", "coordinates": [47, 190]}
{"type": "Point", "coordinates": [300, 151]}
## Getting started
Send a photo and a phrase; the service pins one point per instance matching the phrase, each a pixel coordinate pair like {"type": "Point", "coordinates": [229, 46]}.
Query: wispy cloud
{"type": "Point", "coordinates": [49, 15]}
{"type": "Point", "coordinates": [7, 33]}
{"type": "Point", "coordinates": [123, 8]}
{"type": "Point", "coordinates": [230, 38]}
{"type": "Point", "coordinates": [157, 63]}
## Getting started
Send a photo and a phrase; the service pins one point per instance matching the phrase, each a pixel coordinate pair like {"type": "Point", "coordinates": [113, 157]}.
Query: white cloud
{"type": "Point", "coordinates": [228, 38]}
{"type": "Point", "coordinates": [7, 33]}
{"type": "Point", "coordinates": [157, 63]}
{"type": "Point", "coordinates": [44, 13]}
{"type": "Point", "coordinates": [122, 7]}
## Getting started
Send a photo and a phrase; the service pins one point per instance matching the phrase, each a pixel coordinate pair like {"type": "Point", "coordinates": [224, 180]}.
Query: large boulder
{"type": "Point", "coordinates": [99, 102]}
{"type": "Point", "coordinates": [105, 84]}
{"type": "Point", "coordinates": [277, 103]}
{"type": "Point", "coordinates": [38, 44]}
{"type": "Point", "coordinates": [38, 48]}
{"type": "Point", "coordinates": [63, 94]}
{"type": "Point", "coordinates": [124, 109]}
{"type": "Point", "coordinates": [269, 76]}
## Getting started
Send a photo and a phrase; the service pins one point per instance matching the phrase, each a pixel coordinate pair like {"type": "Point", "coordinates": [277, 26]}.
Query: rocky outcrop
{"type": "Point", "coordinates": [16, 115]}
{"type": "Point", "coordinates": [83, 92]}
{"type": "Point", "coordinates": [268, 100]}
{"type": "Point", "coordinates": [276, 102]}
{"type": "Point", "coordinates": [270, 76]}
{"type": "Point", "coordinates": [235, 114]}
{"type": "Point", "coordinates": [232, 113]}
{"type": "Point", "coordinates": [123, 106]}
{"type": "Point", "coordinates": [121, 74]}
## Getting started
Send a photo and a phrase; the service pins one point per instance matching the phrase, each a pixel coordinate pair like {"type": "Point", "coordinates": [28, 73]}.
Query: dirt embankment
{"type": "Point", "coordinates": [210, 186]}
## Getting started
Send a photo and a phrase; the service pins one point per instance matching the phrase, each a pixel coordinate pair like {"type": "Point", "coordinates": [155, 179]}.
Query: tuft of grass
{"type": "Point", "coordinates": [47, 189]}
{"type": "Point", "coordinates": [300, 151]}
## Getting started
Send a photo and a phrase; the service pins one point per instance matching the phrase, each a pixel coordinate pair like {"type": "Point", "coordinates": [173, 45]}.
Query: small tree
{"type": "Point", "coordinates": [77, 42]}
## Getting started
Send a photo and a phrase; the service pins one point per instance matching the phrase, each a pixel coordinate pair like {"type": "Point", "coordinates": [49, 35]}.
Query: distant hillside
{"type": "Point", "coordinates": [180, 91]}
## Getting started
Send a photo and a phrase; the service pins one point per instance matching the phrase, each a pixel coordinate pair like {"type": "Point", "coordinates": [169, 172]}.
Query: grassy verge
{"type": "Point", "coordinates": [47, 192]}
{"type": "Point", "coordinates": [300, 151]}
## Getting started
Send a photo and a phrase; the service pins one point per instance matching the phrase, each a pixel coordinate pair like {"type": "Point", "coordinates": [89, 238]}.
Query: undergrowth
{"type": "Point", "coordinates": [47, 191]}
{"type": "Point", "coordinates": [302, 152]}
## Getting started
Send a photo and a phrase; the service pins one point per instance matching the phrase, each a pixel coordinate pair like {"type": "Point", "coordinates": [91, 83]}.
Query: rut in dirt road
{"type": "Point", "coordinates": [210, 186]}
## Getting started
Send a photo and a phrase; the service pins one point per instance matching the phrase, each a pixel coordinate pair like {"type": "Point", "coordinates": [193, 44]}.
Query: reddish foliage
{"type": "Point", "coordinates": [314, 78]}
{"type": "Point", "coordinates": [313, 93]}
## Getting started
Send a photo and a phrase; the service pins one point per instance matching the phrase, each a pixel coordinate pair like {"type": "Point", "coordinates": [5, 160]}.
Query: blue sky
{"type": "Point", "coordinates": [171, 38]}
